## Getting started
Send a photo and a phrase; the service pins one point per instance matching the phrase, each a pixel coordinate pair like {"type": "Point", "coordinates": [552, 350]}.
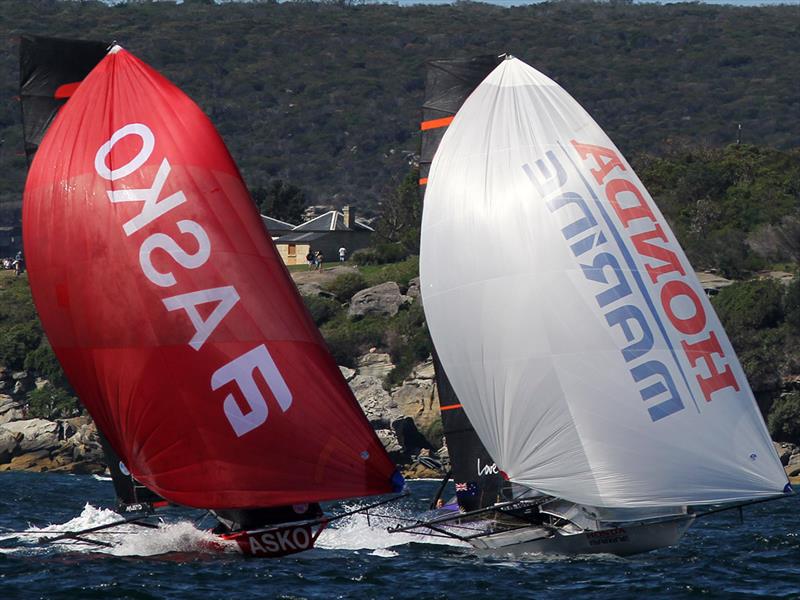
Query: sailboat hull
{"type": "Point", "coordinates": [275, 542]}
{"type": "Point", "coordinates": [621, 541]}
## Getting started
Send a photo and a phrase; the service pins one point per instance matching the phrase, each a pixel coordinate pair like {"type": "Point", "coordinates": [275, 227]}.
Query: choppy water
{"type": "Point", "coordinates": [719, 558]}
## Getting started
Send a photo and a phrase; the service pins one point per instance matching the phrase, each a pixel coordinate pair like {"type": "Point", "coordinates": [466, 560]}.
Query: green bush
{"type": "Point", "coordinates": [347, 284]}
{"type": "Point", "coordinates": [784, 419]}
{"type": "Point", "coordinates": [16, 341]}
{"type": "Point", "coordinates": [43, 361]}
{"type": "Point", "coordinates": [400, 272]}
{"type": "Point", "coordinates": [408, 342]}
{"type": "Point", "coordinates": [792, 304]}
{"type": "Point", "coordinates": [322, 309]}
{"type": "Point", "coordinates": [379, 255]}
{"type": "Point", "coordinates": [348, 339]}
{"type": "Point", "coordinates": [50, 402]}
{"type": "Point", "coordinates": [749, 305]}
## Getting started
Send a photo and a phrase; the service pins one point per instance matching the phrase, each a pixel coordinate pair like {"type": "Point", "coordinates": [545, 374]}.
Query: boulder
{"type": "Point", "coordinates": [424, 371]}
{"type": "Point", "coordinates": [376, 402]}
{"type": "Point", "coordinates": [413, 288]}
{"type": "Point", "coordinates": [784, 451]}
{"type": "Point", "coordinates": [383, 299]}
{"type": "Point", "coordinates": [9, 444]}
{"type": "Point", "coordinates": [389, 440]}
{"type": "Point", "coordinates": [374, 364]}
{"type": "Point", "coordinates": [348, 374]}
{"type": "Point", "coordinates": [37, 434]}
{"type": "Point", "coordinates": [31, 461]}
{"type": "Point", "coordinates": [417, 399]}
{"type": "Point", "coordinates": [10, 409]}
{"type": "Point", "coordinates": [793, 465]}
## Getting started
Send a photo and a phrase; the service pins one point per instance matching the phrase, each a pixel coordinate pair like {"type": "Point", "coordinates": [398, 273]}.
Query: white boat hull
{"type": "Point", "coordinates": [622, 541]}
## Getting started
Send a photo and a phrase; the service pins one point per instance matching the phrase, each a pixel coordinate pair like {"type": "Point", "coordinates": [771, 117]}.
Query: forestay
{"type": "Point", "coordinates": [172, 313]}
{"type": "Point", "coordinates": [568, 319]}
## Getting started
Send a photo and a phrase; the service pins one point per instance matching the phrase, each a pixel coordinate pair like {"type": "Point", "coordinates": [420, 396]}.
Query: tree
{"type": "Point", "coordinates": [401, 214]}
{"type": "Point", "coordinates": [280, 200]}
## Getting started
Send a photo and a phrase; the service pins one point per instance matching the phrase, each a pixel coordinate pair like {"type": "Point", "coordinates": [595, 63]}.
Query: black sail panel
{"type": "Point", "coordinates": [448, 83]}
{"type": "Point", "coordinates": [49, 70]}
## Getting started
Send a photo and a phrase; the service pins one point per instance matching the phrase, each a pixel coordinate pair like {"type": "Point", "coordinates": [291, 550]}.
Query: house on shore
{"type": "Point", "coordinates": [325, 233]}
{"type": "Point", "coordinates": [275, 227]}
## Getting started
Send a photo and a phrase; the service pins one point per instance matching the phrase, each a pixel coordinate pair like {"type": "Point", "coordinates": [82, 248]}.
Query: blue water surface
{"type": "Point", "coordinates": [718, 558]}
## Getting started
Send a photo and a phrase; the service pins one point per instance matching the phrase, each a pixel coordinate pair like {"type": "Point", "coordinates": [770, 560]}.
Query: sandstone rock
{"type": "Point", "coordinates": [376, 402]}
{"type": "Point", "coordinates": [374, 364]}
{"type": "Point", "coordinates": [413, 288]}
{"type": "Point", "coordinates": [419, 471]}
{"type": "Point", "coordinates": [37, 434]}
{"type": "Point", "coordinates": [348, 374]}
{"type": "Point", "coordinates": [389, 440]}
{"type": "Point", "coordinates": [424, 371]}
{"type": "Point", "coordinates": [383, 299]}
{"type": "Point", "coordinates": [19, 375]}
{"type": "Point", "coordinates": [31, 461]}
{"type": "Point", "coordinates": [9, 444]}
{"type": "Point", "coordinates": [417, 399]}
{"type": "Point", "coordinates": [10, 409]}
{"type": "Point", "coordinates": [40, 382]}
{"type": "Point", "coordinates": [784, 451]}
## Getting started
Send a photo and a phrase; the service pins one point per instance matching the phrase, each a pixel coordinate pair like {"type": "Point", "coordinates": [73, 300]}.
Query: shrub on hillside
{"type": "Point", "coordinates": [347, 340]}
{"type": "Point", "coordinates": [347, 284]}
{"type": "Point", "coordinates": [17, 341]}
{"type": "Point", "coordinates": [379, 255]}
{"type": "Point", "coordinates": [44, 363]}
{"type": "Point", "coordinates": [749, 305]}
{"type": "Point", "coordinates": [792, 304]}
{"type": "Point", "coordinates": [322, 309]}
{"type": "Point", "coordinates": [50, 402]}
{"type": "Point", "coordinates": [408, 342]}
{"type": "Point", "coordinates": [784, 419]}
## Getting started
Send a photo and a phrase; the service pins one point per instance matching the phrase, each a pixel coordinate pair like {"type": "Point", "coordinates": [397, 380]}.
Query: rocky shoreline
{"type": "Point", "coordinates": [405, 417]}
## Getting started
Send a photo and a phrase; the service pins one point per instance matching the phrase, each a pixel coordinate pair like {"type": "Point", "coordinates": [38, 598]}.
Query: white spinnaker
{"type": "Point", "coordinates": [566, 352]}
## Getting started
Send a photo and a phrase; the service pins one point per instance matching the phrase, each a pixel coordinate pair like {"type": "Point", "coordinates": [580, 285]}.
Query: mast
{"type": "Point", "coordinates": [476, 476]}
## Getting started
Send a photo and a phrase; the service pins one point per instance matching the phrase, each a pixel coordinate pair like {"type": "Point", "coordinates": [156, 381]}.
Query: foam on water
{"type": "Point", "coordinates": [370, 532]}
{"type": "Point", "coordinates": [125, 540]}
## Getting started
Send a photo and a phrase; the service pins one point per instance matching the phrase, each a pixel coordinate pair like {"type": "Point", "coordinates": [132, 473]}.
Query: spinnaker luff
{"type": "Point", "coordinates": [172, 314]}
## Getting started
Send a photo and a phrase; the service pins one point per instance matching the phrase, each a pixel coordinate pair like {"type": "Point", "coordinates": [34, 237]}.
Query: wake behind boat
{"type": "Point", "coordinates": [576, 337]}
{"type": "Point", "coordinates": [177, 323]}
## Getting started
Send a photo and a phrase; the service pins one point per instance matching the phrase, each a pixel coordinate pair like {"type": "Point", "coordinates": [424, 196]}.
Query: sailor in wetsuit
{"type": "Point", "coordinates": [231, 520]}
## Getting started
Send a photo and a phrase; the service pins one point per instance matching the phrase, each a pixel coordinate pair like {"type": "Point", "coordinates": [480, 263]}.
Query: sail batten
{"type": "Point", "coordinates": [568, 319]}
{"type": "Point", "coordinates": [171, 311]}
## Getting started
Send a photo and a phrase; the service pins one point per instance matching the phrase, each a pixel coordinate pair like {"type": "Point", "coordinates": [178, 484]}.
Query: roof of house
{"type": "Point", "coordinates": [300, 237]}
{"type": "Point", "coordinates": [332, 220]}
{"type": "Point", "coordinates": [276, 226]}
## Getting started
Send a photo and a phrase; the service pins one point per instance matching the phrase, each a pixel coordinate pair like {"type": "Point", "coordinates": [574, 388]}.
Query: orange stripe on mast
{"type": "Point", "coordinates": [451, 407]}
{"type": "Point", "coordinates": [435, 123]}
{"type": "Point", "coordinates": [423, 181]}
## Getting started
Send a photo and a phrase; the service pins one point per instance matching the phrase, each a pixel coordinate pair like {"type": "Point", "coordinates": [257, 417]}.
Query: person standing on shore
{"type": "Point", "coordinates": [319, 260]}
{"type": "Point", "coordinates": [311, 259]}
{"type": "Point", "coordinates": [342, 253]}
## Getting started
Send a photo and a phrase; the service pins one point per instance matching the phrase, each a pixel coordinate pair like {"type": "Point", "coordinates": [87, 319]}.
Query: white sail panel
{"type": "Point", "coordinates": [568, 319]}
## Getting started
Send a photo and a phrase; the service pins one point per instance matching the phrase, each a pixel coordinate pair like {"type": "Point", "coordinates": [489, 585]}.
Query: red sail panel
{"type": "Point", "coordinates": [172, 313]}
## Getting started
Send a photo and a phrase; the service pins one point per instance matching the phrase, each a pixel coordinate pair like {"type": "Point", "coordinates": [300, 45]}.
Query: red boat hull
{"type": "Point", "coordinates": [275, 542]}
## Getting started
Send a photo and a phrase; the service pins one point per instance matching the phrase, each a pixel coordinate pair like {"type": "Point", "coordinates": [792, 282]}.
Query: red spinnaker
{"type": "Point", "coordinates": [172, 313]}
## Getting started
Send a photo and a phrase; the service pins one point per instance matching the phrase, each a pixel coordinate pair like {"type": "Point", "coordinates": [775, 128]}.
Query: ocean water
{"type": "Point", "coordinates": [718, 558]}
